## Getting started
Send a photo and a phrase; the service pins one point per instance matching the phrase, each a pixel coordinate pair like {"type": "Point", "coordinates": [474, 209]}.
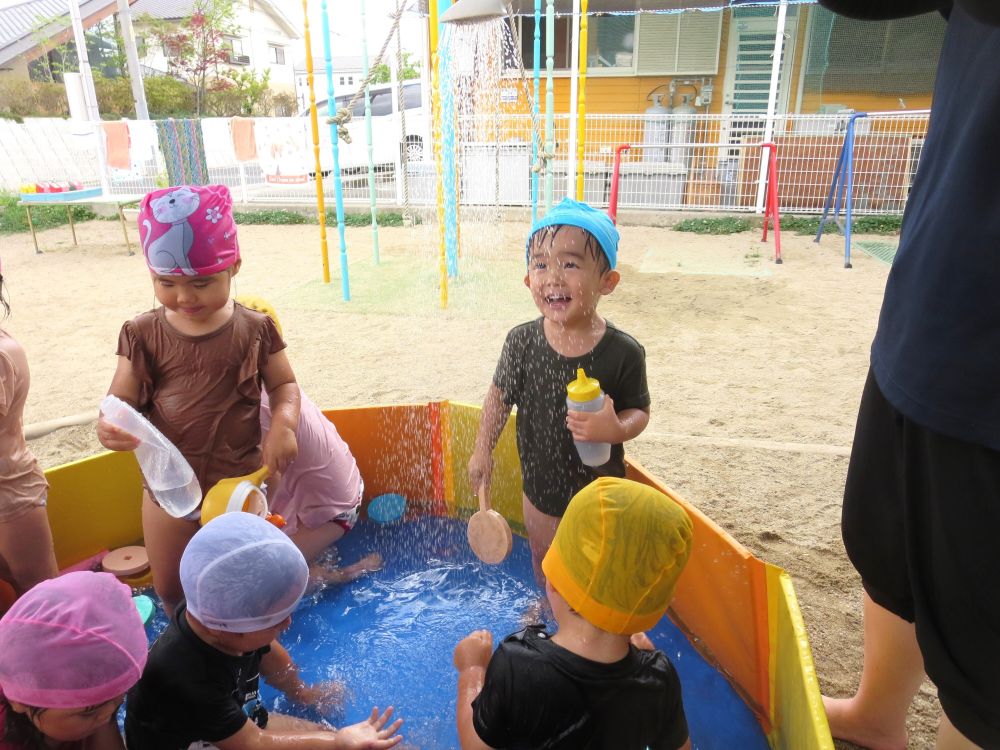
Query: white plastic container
{"type": "Point", "coordinates": [168, 474]}
{"type": "Point", "coordinates": [585, 394]}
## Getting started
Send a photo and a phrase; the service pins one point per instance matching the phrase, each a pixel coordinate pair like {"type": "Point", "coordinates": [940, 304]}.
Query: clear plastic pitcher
{"type": "Point", "coordinates": [585, 394]}
{"type": "Point", "coordinates": [168, 474]}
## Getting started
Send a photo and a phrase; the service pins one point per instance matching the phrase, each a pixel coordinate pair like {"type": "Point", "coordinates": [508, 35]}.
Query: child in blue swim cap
{"type": "Point", "coordinates": [572, 256]}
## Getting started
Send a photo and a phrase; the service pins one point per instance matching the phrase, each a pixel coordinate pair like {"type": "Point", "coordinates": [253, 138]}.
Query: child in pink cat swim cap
{"type": "Point", "coordinates": [195, 365]}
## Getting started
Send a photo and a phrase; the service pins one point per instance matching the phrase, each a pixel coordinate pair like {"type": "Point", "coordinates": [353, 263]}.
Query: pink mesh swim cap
{"type": "Point", "coordinates": [71, 642]}
{"type": "Point", "coordinates": [188, 230]}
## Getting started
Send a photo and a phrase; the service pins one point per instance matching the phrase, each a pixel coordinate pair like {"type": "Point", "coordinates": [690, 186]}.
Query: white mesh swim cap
{"type": "Point", "coordinates": [241, 574]}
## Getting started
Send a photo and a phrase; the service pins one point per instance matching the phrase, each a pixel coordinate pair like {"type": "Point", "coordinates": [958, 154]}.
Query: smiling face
{"type": "Point", "coordinates": [566, 275]}
{"type": "Point", "coordinates": [196, 301]}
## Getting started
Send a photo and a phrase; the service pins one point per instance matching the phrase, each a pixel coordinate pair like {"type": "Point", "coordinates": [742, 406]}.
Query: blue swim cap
{"type": "Point", "coordinates": [577, 214]}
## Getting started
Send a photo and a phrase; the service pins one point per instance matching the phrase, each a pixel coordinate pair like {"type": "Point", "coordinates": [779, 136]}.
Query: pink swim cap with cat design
{"type": "Point", "coordinates": [188, 230]}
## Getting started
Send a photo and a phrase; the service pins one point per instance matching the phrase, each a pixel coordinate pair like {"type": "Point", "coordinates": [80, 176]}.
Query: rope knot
{"type": "Point", "coordinates": [341, 119]}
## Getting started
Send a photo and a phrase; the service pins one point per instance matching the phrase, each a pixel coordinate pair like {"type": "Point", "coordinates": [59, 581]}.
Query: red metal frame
{"type": "Point", "coordinates": [613, 198]}
{"type": "Point", "coordinates": [771, 199]}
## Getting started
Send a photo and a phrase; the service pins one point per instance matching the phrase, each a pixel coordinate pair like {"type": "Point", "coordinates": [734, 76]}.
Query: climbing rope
{"type": "Point", "coordinates": [343, 115]}
{"type": "Point", "coordinates": [404, 155]}
{"type": "Point", "coordinates": [544, 157]}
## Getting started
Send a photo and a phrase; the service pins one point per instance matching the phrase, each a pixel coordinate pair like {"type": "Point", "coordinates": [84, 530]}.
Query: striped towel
{"type": "Point", "coordinates": [183, 150]}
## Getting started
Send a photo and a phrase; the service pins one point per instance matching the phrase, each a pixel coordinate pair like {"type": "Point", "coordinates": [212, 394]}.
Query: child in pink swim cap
{"type": "Point", "coordinates": [70, 649]}
{"type": "Point", "coordinates": [195, 365]}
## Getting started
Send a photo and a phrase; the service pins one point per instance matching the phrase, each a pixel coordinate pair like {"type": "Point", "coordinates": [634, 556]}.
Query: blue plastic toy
{"type": "Point", "coordinates": [145, 606]}
{"type": "Point", "coordinates": [387, 508]}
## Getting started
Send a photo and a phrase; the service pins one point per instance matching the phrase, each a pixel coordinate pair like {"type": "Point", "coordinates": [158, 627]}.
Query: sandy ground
{"type": "Point", "coordinates": [755, 369]}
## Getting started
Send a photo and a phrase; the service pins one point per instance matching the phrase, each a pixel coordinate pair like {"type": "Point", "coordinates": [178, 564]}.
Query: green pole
{"type": "Point", "coordinates": [368, 133]}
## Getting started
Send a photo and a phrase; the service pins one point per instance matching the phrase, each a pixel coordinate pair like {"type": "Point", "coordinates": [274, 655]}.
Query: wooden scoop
{"type": "Point", "coordinates": [489, 533]}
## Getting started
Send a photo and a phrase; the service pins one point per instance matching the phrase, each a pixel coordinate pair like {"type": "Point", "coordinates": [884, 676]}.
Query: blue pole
{"type": "Point", "coordinates": [331, 104]}
{"type": "Point", "coordinates": [834, 188]}
{"type": "Point", "coordinates": [448, 143]}
{"type": "Point", "coordinates": [535, 109]}
{"type": "Point", "coordinates": [849, 166]}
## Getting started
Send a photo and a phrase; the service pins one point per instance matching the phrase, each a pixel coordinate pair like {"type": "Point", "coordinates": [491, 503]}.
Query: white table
{"type": "Point", "coordinates": [99, 200]}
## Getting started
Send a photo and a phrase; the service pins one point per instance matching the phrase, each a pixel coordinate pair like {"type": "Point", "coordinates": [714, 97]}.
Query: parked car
{"type": "Point", "coordinates": [387, 141]}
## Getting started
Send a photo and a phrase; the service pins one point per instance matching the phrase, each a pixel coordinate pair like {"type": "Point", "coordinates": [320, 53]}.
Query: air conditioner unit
{"type": "Point", "coordinates": [239, 59]}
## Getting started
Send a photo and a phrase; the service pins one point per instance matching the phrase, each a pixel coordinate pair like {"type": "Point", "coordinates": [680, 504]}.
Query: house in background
{"type": "Point", "coordinates": [267, 39]}
{"type": "Point", "coordinates": [719, 61]}
{"type": "Point", "coordinates": [346, 77]}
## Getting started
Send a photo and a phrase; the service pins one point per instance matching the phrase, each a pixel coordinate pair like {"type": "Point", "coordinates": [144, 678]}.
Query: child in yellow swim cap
{"type": "Point", "coordinates": [597, 682]}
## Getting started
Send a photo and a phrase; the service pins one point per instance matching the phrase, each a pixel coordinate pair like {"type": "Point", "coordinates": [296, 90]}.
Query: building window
{"type": "Point", "coordinates": [277, 54]}
{"type": "Point", "coordinates": [342, 80]}
{"type": "Point", "coordinates": [563, 44]}
{"type": "Point", "coordinates": [171, 49]}
{"type": "Point", "coordinates": [350, 80]}
{"type": "Point", "coordinates": [233, 44]}
{"type": "Point", "coordinates": [610, 41]}
{"type": "Point", "coordinates": [234, 47]}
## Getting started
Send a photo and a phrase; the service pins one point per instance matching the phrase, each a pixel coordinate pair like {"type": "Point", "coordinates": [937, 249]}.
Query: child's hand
{"type": "Point", "coordinates": [280, 449]}
{"type": "Point", "coordinates": [115, 438]}
{"type": "Point", "coordinates": [480, 469]}
{"type": "Point", "coordinates": [372, 734]}
{"type": "Point", "coordinates": [324, 696]}
{"type": "Point", "coordinates": [596, 426]}
{"type": "Point", "coordinates": [474, 650]}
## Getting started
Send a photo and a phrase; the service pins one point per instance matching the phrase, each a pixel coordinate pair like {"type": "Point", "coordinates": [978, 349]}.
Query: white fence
{"type": "Point", "coordinates": [677, 162]}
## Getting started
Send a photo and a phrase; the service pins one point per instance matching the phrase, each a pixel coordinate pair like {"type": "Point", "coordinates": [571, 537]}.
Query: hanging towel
{"type": "Point", "coordinates": [116, 134]}
{"type": "Point", "coordinates": [183, 150]}
{"type": "Point", "coordinates": [244, 141]}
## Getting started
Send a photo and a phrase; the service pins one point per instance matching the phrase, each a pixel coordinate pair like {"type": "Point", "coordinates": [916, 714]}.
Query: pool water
{"type": "Point", "coordinates": [390, 635]}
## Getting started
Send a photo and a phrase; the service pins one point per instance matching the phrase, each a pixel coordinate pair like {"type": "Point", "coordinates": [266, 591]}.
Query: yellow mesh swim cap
{"type": "Point", "coordinates": [618, 552]}
{"type": "Point", "coordinates": [261, 305]}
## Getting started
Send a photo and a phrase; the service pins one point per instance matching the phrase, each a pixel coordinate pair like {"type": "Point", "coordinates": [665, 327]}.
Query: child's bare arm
{"type": "Point", "coordinates": [495, 413]}
{"type": "Point", "coordinates": [374, 734]}
{"type": "Point", "coordinates": [280, 447]}
{"type": "Point", "coordinates": [605, 426]}
{"type": "Point", "coordinates": [472, 655]}
{"type": "Point", "coordinates": [281, 673]}
{"type": "Point", "coordinates": [125, 385]}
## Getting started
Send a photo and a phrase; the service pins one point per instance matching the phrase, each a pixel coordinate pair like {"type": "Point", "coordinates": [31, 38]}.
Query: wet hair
{"type": "Point", "coordinates": [590, 244]}
{"type": "Point", "coordinates": [19, 730]}
{"type": "Point", "coordinates": [3, 298]}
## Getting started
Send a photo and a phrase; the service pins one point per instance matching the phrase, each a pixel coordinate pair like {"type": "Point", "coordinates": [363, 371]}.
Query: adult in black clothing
{"type": "Point", "coordinates": [922, 498]}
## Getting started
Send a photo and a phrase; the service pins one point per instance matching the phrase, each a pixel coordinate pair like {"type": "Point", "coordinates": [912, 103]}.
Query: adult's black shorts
{"type": "Point", "coordinates": [921, 523]}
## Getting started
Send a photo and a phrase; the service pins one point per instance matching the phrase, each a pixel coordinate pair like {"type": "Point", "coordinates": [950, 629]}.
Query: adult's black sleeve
{"type": "Point", "coordinates": [880, 10]}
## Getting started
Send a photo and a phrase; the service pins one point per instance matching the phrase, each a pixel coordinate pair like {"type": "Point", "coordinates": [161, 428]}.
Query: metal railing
{"type": "Point", "coordinates": [681, 162]}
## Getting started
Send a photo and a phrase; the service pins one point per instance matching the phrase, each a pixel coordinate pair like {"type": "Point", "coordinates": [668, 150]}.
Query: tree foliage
{"type": "Point", "coordinates": [410, 70]}
{"type": "Point", "coordinates": [197, 45]}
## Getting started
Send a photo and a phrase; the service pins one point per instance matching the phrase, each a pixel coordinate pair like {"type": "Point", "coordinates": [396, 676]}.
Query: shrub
{"type": "Point", "coordinates": [14, 219]}
{"type": "Point", "coordinates": [114, 97]}
{"type": "Point", "coordinates": [20, 98]}
{"type": "Point", "coordinates": [862, 225]}
{"type": "Point", "coordinates": [270, 216]}
{"type": "Point", "coordinates": [168, 97]}
{"type": "Point", "coordinates": [725, 225]}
